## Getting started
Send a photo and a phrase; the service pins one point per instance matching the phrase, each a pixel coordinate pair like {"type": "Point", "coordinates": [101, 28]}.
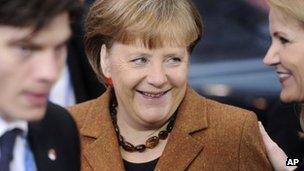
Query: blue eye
{"type": "Point", "coordinates": [140, 61]}
{"type": "Point", "coordinates": [283, 40]}
{"type": "Point", "coordinates": [174, 60]}
{"type": "Point", "coordinates": [25, 51]}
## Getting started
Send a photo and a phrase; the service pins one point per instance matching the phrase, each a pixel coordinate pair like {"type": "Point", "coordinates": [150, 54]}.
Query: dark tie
{"type": "Point", "coordinates": [7, 141]}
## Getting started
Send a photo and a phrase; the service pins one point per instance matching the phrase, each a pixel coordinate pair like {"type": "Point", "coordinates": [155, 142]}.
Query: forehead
{"type": "Point", "coordinates": [12, 34]}
{"type": "Point", "coordinates": [56, 31]}
{"type": "Point", "coordinates": [280, 21]}
{"type": "Point", "coordinates": [140, 48]}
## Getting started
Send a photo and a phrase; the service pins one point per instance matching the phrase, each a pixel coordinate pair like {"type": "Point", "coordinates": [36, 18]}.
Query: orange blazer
{"type": "Point", "coordinates": [207, 135]}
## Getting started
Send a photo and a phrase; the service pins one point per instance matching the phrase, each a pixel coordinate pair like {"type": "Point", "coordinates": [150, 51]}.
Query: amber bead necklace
{"type": "Point", "coordinates": [151, 142]}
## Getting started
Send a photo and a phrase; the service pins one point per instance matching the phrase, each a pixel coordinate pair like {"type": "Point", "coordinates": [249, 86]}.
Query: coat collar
{"type": "Point", "coordinates": [181, 147]}
{"type": "Point", "coordinates": [192, 113]}
{"type": "Point", "coordinates": [180, 150]}
{"type": "Point", "coordinates": [105, 148]}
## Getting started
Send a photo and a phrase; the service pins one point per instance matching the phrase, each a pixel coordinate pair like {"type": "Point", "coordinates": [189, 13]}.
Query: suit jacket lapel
{"type": "Point", "coordinates": [34, 138]}
{"type": "Point", "coordinates": [103, 151]}
{"type": "Point", "coordinates": [39, 141]}
{"type": "Point", "coordinates": [182, 148]}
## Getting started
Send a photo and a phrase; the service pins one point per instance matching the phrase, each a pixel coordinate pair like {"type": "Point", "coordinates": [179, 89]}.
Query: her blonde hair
{"type": "Point", "coordinates": [294, 8]}
{"type": "Point", "coordinates": [154, 23]}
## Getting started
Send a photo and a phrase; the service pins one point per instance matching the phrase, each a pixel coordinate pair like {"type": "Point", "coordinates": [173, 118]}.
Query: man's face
{"type": "Point", "coordinates": [29, 67]}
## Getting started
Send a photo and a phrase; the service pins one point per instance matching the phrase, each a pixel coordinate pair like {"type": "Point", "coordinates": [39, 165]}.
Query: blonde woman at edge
{"type": "Point", "coordinates": [286, 55]}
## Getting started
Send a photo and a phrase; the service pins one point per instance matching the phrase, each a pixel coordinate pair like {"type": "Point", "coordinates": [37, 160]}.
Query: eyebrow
{"type": "Point", "coordinates": [174, 55]}
{"type": "Point", "coordinates": [30, 44]}
{"type": "Point", "coordinates": [140, 54]}
{"type": "Point", "coordinates": [278, 33]}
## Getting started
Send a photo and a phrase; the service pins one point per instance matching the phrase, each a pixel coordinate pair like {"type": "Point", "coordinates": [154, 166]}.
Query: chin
{"type": "Point", "coordinates": [288, 97]}
{"type": "Point", "coordinates": [33, 115]}
{"type": "Point", "coordinates": [154, 118]}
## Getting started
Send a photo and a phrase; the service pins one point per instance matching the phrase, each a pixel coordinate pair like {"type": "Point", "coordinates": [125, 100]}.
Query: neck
{"type": "Point", "coordinates": [134, 133]}
{"type": "Point", "coordinates": [6, 117]}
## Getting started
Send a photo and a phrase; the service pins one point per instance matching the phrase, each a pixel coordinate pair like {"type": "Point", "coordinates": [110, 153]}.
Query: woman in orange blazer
{"type": "Point", "coordinates": [150, 118]}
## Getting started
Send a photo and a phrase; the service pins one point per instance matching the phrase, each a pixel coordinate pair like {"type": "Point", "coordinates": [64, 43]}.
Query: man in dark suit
{"type": "Point", "coordinates": [35, 134]}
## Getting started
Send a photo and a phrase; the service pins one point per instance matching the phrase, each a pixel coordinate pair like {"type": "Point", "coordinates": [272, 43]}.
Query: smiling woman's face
{"type": "Point", "coordinates": [149, 83]}
{"type": "Point", "coordinates": [286, 54]}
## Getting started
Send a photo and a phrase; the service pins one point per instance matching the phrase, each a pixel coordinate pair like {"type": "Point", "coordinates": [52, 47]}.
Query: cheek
{"type": "Point", "coordinates": [7, 78]}
{"type": "Point", "coordinates": [293, 57]}
{"type": "Point", "coordinates": [295, 63]}
{"type": "Point", "coordinates": [9, 88]}
{"type": "Point", "coordinates": [124, 76]}
{"type": "Point", "coordinates": [178, 76]}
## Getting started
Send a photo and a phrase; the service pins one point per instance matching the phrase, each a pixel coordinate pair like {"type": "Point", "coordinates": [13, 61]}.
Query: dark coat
{"type": "Point", "coordinates": [56, 131]}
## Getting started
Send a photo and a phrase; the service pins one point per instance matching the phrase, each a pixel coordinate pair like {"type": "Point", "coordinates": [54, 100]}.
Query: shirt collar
{"type": "Point", "coordinates": [7, 126]}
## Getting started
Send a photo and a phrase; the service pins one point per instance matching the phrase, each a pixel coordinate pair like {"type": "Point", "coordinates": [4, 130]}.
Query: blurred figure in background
{"type": "Point", "coordinates": [35, 134]}
{"type": "Point", "coordinates": [77, 82]}
{"type": "Point", "coordinates": [229, 35]}
{"type": "Point", "coordinates": [286, 55]}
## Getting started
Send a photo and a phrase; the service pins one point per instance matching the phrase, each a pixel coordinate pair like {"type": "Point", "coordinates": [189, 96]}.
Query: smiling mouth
{"type": "Point", "coordinates": [153, 94]}
{"type": "Point", "coordinates": [283, 75]}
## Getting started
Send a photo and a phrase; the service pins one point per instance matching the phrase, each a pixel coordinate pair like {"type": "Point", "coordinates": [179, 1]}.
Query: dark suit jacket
{"type": "Point", "coordinates": [207, 135]}
{"type": "Point", "coordinates": [57, 131]}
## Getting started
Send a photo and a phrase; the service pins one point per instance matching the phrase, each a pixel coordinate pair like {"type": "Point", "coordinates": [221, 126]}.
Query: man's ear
{"type": "Point", "coordinates": [105, 61]}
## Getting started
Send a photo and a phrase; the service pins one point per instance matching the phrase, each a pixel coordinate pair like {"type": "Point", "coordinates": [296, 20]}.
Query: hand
{"type": "Point", "coordinates": [275, 154]}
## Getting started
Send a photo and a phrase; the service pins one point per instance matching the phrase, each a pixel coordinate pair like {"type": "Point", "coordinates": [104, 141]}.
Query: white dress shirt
{"type": "Point", "coordinates": [17, 163]}
{"type": "Point", "coordinates": [62, 92]}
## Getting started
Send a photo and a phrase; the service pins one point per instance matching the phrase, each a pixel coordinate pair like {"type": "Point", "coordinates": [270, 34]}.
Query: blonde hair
{"type": "Point", "coordinates": [294, 8]}
{"type": "Point", "coordinates": [153, 22]}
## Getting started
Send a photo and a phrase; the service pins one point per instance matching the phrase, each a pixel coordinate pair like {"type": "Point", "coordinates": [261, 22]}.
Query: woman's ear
{"type": "Point", "coordinates": [105, 61]}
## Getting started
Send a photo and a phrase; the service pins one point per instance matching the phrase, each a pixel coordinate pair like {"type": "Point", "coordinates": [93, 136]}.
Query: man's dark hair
{"type": "Point", "coordinates": [35, 13]}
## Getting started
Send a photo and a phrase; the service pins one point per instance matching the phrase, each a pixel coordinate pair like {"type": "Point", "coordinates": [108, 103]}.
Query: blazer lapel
{"type": "Point", "coordinates": [41, 142]}
{"type": "Point", "coordinates": [35, 138]}
{"type": "Point", "coordinates": [182, 148]}
{"type": "Point", "coordinates": [103, 151]}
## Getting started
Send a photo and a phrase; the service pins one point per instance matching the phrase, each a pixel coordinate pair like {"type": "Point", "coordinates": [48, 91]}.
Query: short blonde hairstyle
{"type": "Point", "coordinates": [294, 8]}
{"type": "Point", "coordinates": [153, 22]}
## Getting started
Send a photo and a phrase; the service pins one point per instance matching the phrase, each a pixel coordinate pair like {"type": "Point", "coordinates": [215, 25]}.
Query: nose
{"type": "Point", "coordinates": [272, 57]}
{"type": "Point", "coordinates": [157, 76]}
{"type": "Point", "coordinates": [48, 67]}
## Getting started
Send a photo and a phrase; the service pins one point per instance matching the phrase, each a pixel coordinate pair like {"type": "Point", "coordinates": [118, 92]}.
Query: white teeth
{"type": "Point", "coordinates": [152, 95]}
{"type": "Point", "coordinates": [283, 75]}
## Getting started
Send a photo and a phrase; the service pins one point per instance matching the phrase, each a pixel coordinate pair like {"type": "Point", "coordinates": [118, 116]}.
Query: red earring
{"type": "Point", "coordinates": [109, 81]}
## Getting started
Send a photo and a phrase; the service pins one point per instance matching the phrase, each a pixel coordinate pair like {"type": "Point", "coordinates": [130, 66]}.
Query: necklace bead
{"type": "Point", "coordinates": [140, 148]}
{"type": "Point", "coordinates": [163, 135]}
{"type": "Point", "coordinates": [128, 146]}
{"type": "Point", "coordinates": [151, 142]}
